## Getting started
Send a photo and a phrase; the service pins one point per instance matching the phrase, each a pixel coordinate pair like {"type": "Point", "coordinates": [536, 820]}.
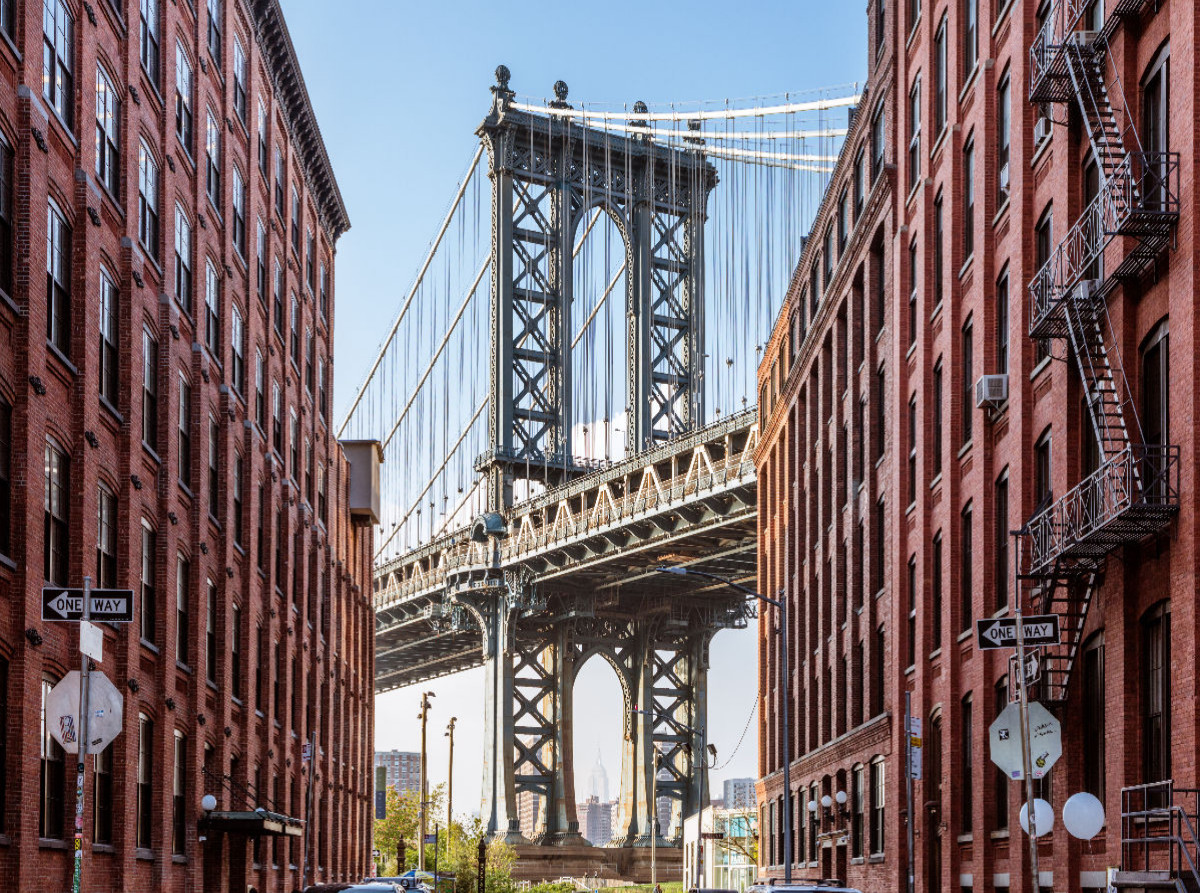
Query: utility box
{"type": "Point", "coordinates": [364, 457]}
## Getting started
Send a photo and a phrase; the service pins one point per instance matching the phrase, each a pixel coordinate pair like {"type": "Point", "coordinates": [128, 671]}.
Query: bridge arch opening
{"type": "Point", "coordinates": [598, 337]}
{"type": "Point", "coordinates": [598, 731]}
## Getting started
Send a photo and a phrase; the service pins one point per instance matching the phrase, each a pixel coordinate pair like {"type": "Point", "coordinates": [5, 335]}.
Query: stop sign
{"type": "Point", "coordinates": [1045, 740]}
{"type": "Point", "coordinates": [105, 712]}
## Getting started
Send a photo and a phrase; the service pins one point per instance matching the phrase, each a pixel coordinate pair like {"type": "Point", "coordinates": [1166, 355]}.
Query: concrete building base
{"type": "Point", "coordinates": [548, 863]}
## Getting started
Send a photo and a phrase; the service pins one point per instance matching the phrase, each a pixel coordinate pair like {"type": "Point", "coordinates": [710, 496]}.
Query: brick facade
{"type": "Point", "coordinates": [878, 474]}
{"type": "Point", "coordinates": [260, 629]}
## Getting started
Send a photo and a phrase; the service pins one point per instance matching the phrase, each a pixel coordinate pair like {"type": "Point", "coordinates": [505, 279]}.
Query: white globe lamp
{"type": "Point", "coordinates": [1083, 816]}
{"type": "Point", "coordinates": [1043, 812]}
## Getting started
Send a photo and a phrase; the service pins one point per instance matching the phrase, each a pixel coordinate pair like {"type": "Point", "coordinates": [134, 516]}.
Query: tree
{"type": "Point", "coordinates": [463, 857]}
{"type": "Point", "coordinates": [402, 822]}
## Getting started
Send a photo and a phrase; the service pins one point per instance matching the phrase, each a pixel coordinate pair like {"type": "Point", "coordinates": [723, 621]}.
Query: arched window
{"type": "Point", "coordinates": [1156, 94]}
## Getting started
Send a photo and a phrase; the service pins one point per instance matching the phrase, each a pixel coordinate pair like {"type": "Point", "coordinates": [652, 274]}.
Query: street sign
{"type": "Point", "coordinates": [91, 640]}
{"type": "Point", "coordinates": [105, 706]}
{"type": "Point", "coordinates": [1045, 740]}
{"type": "Point", "coordinates": [712, 835]}
{"type": "Point", "coordinates": [431, 838]}
{"type": "Point", "coordinates": [914, 747]}
{"type": "Point", "coordinates": [1001, 632]}
{"type": "Point", "coordinates": [108, 605]}
{"type": "Point", "coordinates": [1033, 672]}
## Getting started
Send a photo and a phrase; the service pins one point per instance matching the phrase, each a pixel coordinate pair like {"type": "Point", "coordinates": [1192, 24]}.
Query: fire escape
{"type": "Point", "coordinates": [1133, 493]}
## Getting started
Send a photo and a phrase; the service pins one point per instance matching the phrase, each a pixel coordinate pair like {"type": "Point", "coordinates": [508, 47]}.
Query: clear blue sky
{"type": "Point", "coordinates": [399, 88]}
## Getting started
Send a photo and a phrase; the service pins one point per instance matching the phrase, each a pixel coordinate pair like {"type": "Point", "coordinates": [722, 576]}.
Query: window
{"type": "Point", "coordinates": [260, 403]}
{"type": "Point", "coordinates": [214, 30]}
{"type": "Point", "coordinates": [880, 22]}
{"type": "Point", "coordinates": [844, 223]}
{"type": "Point", "coordinates": [102, 797]}
{"type": "Point", "coordinates": [966, 782]}
{"type": "Point", "coordinates": [1156, 386]}
{"type": "Point", "coordinates": [1003, 133]}
{"type": "Point", "coordinates": [148, 606]}
{"type": "Point", "coordinates": [106, 538]}
{"type": "Point", "coordinates": [309, 370]}
{"type": "Point", "coordinates": [58, 280]}
{"type": "Point", "coordinates": [185, 431]}
{"type": "Point", "coordinates": [277, 695]}
{"type": "Point", "coordinates": [308, 472]}
{"type": "Point", "coordinates": [322, 511]}
{"type": "Point", "coordinates": [6, 477]}
{"type": "Point", "coordinates": [260, 267]}
{"type": "Point", "coordinates": [912, 449]}
{"type": "Point", "coordinates": [260, 667]}
{"type": "Point", "coordinates": [56, 542]}
{"type": "Point", "coordinates": [324, 283]}
{"type": "Point", "coordinates": [239, 79]}
{"type": "Point", "coordinates": [109, 320]}
{"type": "Point", "coordinates": [296, 221]}
{"type": "Point", "coordinates": [940, 77]}
{"type": "Point", "coordinates": [1042, 490]}
{"type": "Point", "coordinates": [969, 199]}
{"type": "Point", "coordinates": [183, 632]}
{"type": "Point", "coordinates": [149, 390]}
{"type": "Point", "coordinates": [276, 418]}
{"type": "Point", "coordinates": [8, 15]}
{"type": "Point", "coordinates": [235, 650]}
{"type": "Point", "coordinates": [278, 297]}
{"type": "Point", "coordinates": [239, 494]}
{"type": "Point", "coordinates": [212, 161]}
{"type": "Point", "coordinates": [262, 139]}
{"type": "Point", "coordinates": [1156, 693]}
{"type": "Point", "coordinates": [148, 201]}
{"type": "Point", "coordinates": [877, 806]}
{"type": "Point", "coordinates": [968, 373]}
{"type": "Point", "coordinates": [310, 268]}
{"type": "Point", "coordinates": [295, 329]}
{"type": "Point", "coordinates": [184, 118]}
{"type": "Point", "coordinates": [878, 142]}
{"type": "Point", "coordinates": [261, 534]}
{"type": "Point", "coordinates": [939, 253]}
{"type": "Point", "coordinates": [237, 338]}
{"type": "Point", "coordinates": [183, 259]}
{"type": "Point", "coordinates": [294, 444]}
{"type": "Point", "coordinates": [210, 634]}
{"type": "Point", "coordinates": [144, 817]}
{"type": "Point", "coordinates": [279, 183]}
{"type": "Point", "coordinates": [214, 482]}
{"type": "Point", "coordinates": [966, 592]}
{"type": "Point", "coordinates": [239, 213]}
{"type": "Point", "coordinates": [212, 310]}
{"type": "Point", "coordinates": [912, 611]}
{"type": "Point", "coordinates": [1000, 780]}
{"type": "Point", "coordinates": [914, 131]}
{"type": "Point", "coordinates": [935, 588]}
{"type": "Point", "coordinates": [938, 418]}
{"type": "Point", "coordinates": [178, 801]}
{"type": "Point", "coordinates": [7, 172]}
{"type": "Point", "coordinates": [149, 39]}
{"type": "Point", "coordinates": [860, 186]}
{"type": "Point", "coordinates": [912, 292]}
{"type": "Point", "coordinates": [914, 13]}
{"type": "Point", "coordinates": [858, 798]}
{"type": "Point", "coordinates": [829, 255]}
{"type": "Point", "coordinates": [1044, 240]}
{"type": "Point", "coordinates": [51, 778]}
{"type": "Point", "coordinates": [1002, 323]}
{"type": "Point", "coordinates": [1155, 128]}
{"type": "Point", "coordinates": [58, 43]}
{"type": "Point", "coordinates": [108, 137]}
{"type": "Point", "coordinates": [970, 34]}
{"type": "Point", "coordinates": [321, 400]}
{"type": "Point", "coordinates": [1092, 702]}
{"type": "Point", "coordinates": [1000, 574]}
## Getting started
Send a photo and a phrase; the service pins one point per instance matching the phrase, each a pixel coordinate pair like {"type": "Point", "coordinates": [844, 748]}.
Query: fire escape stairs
{"type": "Point", "coordinates": [1133, 493]}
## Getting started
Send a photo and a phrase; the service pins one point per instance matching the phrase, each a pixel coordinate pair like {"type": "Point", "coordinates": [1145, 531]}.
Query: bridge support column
{"type": "Point", "coordinates": [562, 822]}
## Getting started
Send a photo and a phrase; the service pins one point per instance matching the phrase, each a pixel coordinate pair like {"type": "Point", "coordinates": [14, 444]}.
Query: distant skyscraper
{"type": "Point", "coordinates": [595, 820]}
{"type": "Point", "coordinates": [529, 813]}
{"type": "Point", "coordinates": [598, 782]}
{"type": "Point", "coordinates": [403, 769]}
{"type": "Point", "coordinates": [739, 793]}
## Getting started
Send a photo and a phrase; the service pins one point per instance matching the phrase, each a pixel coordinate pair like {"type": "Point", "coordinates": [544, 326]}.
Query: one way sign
{"type": "Point", "coordinates": [108, 605]}
{"type": "Point", "coordinates": [1001, 632]}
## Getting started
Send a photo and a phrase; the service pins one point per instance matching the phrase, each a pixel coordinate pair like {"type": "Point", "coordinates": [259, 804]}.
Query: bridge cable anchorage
{"type": "Point", "coordinates": [415, 288]}
{"type": "Point", "coordinates": [433, 479]}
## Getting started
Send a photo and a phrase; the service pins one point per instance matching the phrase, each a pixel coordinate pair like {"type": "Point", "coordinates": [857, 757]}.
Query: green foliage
{"type": "Point", "coordinates": [556, 887]}
{"type": "Point", "coordinates": [402, 823]}
{"type": "Point", "coordinates": [667, 887]}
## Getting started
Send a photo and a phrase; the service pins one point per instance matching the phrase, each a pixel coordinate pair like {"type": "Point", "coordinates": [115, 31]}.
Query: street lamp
{"type": "Point", "coordinates": [424, 717]}
{"type": "Point", "coordinates": [449, 733]}
{"type": "Point", "coordinates": [781, 604]}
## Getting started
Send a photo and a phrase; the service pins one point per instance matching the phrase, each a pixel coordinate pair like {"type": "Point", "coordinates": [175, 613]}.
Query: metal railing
{"type": "Point", "coordinates": [1146, 185]}
{"type": "Point", "coordinates": [1044, 52]}
{"type": "Point", "coordinates": [1158, 831]}
{"type": "Point", "coordinates": [1142, 477]}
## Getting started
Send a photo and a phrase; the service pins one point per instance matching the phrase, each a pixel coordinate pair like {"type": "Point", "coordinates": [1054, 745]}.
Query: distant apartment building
{"type": "Point", "coordinates": [529, 813]}
{"type": "Point", "coordinates": [595, 820]}
{"type": "Point", "coordinates": [403, 769]}
{"type": "Point", "coordinates": [739, 793]}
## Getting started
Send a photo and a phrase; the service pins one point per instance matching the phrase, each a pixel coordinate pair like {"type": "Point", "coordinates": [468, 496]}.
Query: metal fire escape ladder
{"type": "Point", "coordinates": [1134, 491]}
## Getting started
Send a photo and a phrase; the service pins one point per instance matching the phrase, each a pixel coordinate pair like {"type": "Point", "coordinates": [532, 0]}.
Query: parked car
{"type": "Point", "coordinates": [802, 885]}
{"type": "Point", "coordinates": [369, 887]}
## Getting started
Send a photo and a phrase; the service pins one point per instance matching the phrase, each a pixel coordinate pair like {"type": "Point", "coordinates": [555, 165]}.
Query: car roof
{"type": "Point", "coordinates": [823, 885]}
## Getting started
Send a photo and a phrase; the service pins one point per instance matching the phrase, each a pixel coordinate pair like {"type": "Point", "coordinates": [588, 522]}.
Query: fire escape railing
{"type": "Point", "coordinates": [1159, 831]}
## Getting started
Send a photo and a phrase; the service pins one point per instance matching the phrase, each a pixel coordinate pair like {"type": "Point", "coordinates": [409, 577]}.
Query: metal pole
{"type": "Point", "coordinates": [450, 782]}
{"type": "Point", "coordinates": [700, 813]}
{"type": "Point", "coordinates": [654, 819]}
{"type": "Point", "coordinates": [85, 690]}
{"type": "Point", "coordinates": [309, 824]}
{"type": "Point", "coordinates": [424, 784]}
{"type": "Point", "coordinates": [1022, 688]}
{"type": "Point", "coordinates": [435, 854]}
{"type": "Point", "coordinates": [787, 740]}
{"type": "Point", "coordinates": [908, 791]}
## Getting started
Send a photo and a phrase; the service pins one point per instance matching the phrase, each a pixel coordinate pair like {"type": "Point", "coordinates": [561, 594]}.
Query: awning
{"type": "Point", "coordinates": [252, 823]}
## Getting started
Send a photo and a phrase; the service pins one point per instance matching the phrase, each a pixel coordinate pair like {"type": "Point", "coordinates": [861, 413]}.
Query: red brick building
{"type": "Point", "coordinates": [1014, 170]}
{"type": "Point", "coordinates": [164, 427]}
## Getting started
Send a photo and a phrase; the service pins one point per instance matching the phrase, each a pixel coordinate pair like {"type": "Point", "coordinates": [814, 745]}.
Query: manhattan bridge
{"type": "Point", "coordinates": [566, 401]}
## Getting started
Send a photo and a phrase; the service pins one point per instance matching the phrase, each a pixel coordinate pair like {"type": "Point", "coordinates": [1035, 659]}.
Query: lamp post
{"type": "Point", "coordinates": [706, 764]}
{"type": "Point", "coordinates": [424, 716]}
{"type": "Point", "coordinates": [781, 604]}
{"type": "Point", "coordinates": [449, 733]}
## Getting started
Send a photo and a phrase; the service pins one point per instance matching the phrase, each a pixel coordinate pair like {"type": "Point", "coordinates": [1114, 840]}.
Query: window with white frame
{"type": "Point", "coordinates": [108, 133]}
{"type": "Point", "coordinates": [239, 79]}
{"type": "Point", "coordinates": [184, 118]}
{"type": "Point", "coordinates": [212, 161]}
{"type": "Point", "coordinates": [58, 69]}
{"type": "Point", "coordinates": [183, 259]}
{"type": "Point", "coordinates": [239, 213]}
{"type": "Point", "coordinates": [212, 310]}
{"type": "Point", "coordinates": [149, 39]}
{"type": "Point", "coordinates": [148, 200]}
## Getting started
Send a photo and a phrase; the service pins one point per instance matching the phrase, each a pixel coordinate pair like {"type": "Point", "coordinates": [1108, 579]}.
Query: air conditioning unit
{"type": "Point", "coordinates": [991, 390]}
{"type": "Point", "coordinates": [1041, 130]}
{"type": "Point", "coordinates": [1004, 177]}
{"type": "Point", "coordinates": [1082, 38]}
{"type": "Point", "coordinates": [1085, 289]}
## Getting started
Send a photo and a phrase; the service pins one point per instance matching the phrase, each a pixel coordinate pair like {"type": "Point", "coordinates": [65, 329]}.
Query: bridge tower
{"type": "Point", "coordinates": [548, 173]}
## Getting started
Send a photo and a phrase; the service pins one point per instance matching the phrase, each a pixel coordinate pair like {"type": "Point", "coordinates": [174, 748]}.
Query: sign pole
{"type": "Point", "coordinates": [1026, 755]}
{"type": "Point", "coordinates": [908, 780]}
{"type": "Point", "coordinates": [85, 673]}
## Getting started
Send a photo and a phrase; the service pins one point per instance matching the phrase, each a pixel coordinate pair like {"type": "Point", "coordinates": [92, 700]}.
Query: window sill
{"type": "Point", "coordinates": [112, 410]}
{"type": "Point", "coordinates": [962, 271]}
{"type": "Point", "coordinates": [179, 859]}
{"type": "Point", "coordinates": [153, 454]}
{"type": "Point", "coordinates": [936, 481]}
{"type": "Point", "coordinates": [1003, 209]}
{"type": "Point", "coordinates": [13, 49]}
{"type": "Point", "coordinates": [143, 854]}
{"type": "Point", "coordinates": [49, 843]}
{"type": "Point", "coordinates": [969, 837]}
{"type": "Point", "coordinates": [103, 848]}
{"type": "Point", "coordinates": [875, 858]}
{"type": "Point", "coordinates": [55, 117]}
{"type": "Point", "coordinates": [937, 311]}
{"type": "Point", "coordinates": [1037, 370]}
{"type": "Point", "coordinates": [1002, 15]}
{"type": "Point", "coordinates": [183, 665]}
{"type": "Point", "coordinates": [966, 448]}
{"type": "Point", "coordinates": [211, 684]}
{"type": "Point", "coordinates": [7, 562]}
{"type": "Point", "coordinates": [912, 348]}
{"type": "Point", "coordinates": [62, 358]}
{"type": "Point", "coordinates": [1040, 149]}
{"type": "Point", "coordinates": [149, 646]}
{"type": "Point", "coordinates": [965, 635]}
{"type": "Point", "coordinates": [912, 507]}
{"type": "Point", "coordinates": [7, 301]}
{"type": "Point", "coordinates": [999, 835]}
{"type": "Point", "coordinates": [969, 82]}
